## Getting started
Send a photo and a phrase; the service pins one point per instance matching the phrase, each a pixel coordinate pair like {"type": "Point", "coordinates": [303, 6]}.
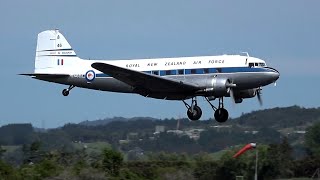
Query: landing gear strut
{"type": "Point", "coordinates": [194, 112]}
{"type": "Point", "coordinates": [220, 114]}
{"type": "Point", "coordinates": [65, 92]}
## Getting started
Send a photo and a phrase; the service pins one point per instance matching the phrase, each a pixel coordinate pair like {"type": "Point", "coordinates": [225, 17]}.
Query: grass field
{"type": "Point", "coordinates": [10, 149]}
{"type": "Point", "coordinates": [95, 147]}
{"type": "Point", "coordinates": [217, 155]}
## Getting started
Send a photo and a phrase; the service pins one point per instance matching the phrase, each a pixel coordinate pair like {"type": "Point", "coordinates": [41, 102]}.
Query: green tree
{"type": "Point", "coordinates": [278, 162]}
{"type": "Point", "coordinates": [205, 170]}
{"type": "Point", "coordinates": [79, 166]}
{"type": "Point", "coordinates": [2, 151]}
{"type": "Point", "coordinates": [7, 171]}
{"type": "Point", "coordinates": [230, 167]}
{"type": "Point", "coordinates": [32, 152]}
{"type": "Point", "coordinates": [112, 161]}
{"type": "Point", "coordinates": [45, 168]}
{"type": "Point", "coordinates": [312, 139]}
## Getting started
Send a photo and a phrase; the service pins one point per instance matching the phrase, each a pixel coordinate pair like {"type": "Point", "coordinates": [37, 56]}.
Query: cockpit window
{"type": "Point", "coordinates": [256, 64]}
{"type": "Point", "coordinates": [262, 64]}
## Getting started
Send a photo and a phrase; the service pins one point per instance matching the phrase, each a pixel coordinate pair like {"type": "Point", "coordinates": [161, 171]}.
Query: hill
{"type": "Point", "coordinates": [263, 126]}
{"type": "Point", "coordinates": [279, 118]}
{"type": "Point", "coordinates": [276, 118]}
{"type": "Point", "coordinates": [101, 122]}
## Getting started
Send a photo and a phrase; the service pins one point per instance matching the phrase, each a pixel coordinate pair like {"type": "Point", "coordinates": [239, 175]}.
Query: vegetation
{"type": "Point", "coordinates": [129, 149]}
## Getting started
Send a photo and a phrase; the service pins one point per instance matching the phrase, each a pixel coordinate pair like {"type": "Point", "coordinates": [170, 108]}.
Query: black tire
{"type": "Point", "coordinates": [221, 115]}
{"type": "Point", "coordinates": [196, 114]}
{"type": "Point", "coordinates": [65, 92]}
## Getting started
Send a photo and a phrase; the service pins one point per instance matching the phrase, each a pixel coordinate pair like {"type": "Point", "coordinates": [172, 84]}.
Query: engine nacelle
{"type": "Point", "coordinates": [248, 93]}
{"type": "Point", "coordinates": [218, 86]}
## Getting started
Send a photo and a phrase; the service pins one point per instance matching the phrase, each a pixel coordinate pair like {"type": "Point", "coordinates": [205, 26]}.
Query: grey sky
{"type": "Point", "coordinates": [284, 33]}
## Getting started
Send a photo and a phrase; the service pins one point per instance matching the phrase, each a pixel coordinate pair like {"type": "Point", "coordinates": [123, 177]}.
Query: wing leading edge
{"type": "Point", "coordinates": [144, 81]}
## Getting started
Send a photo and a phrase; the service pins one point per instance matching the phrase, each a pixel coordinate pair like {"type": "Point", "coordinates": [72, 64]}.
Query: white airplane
{"type": "Point", "coordinates": [182, 78]}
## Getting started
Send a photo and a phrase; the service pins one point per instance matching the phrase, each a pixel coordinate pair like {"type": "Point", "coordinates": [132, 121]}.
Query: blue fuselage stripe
{"type": "Point", "coordinates": [200, 71]}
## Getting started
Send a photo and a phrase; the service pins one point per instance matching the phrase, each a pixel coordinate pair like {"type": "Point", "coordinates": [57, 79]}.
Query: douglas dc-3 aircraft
{"type": "Point", "coordinates": [182, 78]}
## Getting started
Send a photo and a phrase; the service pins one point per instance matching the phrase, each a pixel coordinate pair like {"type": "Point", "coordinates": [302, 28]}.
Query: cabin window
{"type": "Point", "coordinates": [180, 71]}
{"type": "Point", "coordinates": [168, 72]}
{"type": "Point", "coordinates": [212, 70]}
{"type": "Point", "coordinates": [193, 71]}
{"type": "Point", "coordinates": [206, 70]}
{"type": "Point", "coordinates": [155, 72]}
{"type": "Point", "coordinates": [199, 71]}
{"type": "Point", "coordinates": [255, 64]}
{"type": "Point", "coordinates": [251, 64]}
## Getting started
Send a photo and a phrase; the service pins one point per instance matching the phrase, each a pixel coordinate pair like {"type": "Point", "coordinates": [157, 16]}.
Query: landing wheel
{"type": "Point", "coordinates": [194, 114]}
{"type": "Point", "coordinates": [221, 115]}
{"type": "Point", "coordinates": [65, 92]}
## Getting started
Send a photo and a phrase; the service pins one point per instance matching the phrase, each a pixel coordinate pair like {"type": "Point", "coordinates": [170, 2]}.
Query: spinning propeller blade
{"type": "Point", "coordinates": [231, 85]}
{"type": "Point", "coordinates": [232, 96]}
{"type": "Point", "coordinates": [259, 96]}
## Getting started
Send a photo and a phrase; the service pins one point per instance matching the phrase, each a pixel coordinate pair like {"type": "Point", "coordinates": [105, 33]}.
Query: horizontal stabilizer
{"type": "Point", "coordinates": [38, 75]}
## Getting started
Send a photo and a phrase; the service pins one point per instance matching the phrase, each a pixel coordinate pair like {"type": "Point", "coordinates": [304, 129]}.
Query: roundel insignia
{"type": "Point", "coordinates": [90, 75]}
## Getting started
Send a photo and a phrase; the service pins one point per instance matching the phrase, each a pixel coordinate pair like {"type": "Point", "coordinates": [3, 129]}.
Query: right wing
{"type": "Point", "coordinates": [144, 81]}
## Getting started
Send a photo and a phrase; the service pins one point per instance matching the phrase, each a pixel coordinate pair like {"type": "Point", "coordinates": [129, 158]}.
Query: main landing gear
{"type": "Point", "coordinates": [194, 112]}
{"type": "Point", "coordinates": [65, 92]}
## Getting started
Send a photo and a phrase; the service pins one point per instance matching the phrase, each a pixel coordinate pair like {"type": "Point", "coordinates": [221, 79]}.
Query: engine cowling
{"type": "Point", "coordinates": [248, 93]}
{"type": "Point", "coordinates": [218, 86]}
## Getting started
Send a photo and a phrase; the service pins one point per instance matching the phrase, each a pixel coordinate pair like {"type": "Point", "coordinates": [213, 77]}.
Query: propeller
{"type": "Point", "coordinates": [230, 86]}
{"type": "Point", "coordinates": [232, 96]}
{"type": "Point", "coordinates": [258, 91]}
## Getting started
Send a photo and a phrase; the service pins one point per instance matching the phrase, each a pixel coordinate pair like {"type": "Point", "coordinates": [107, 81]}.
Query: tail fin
{"type": "Point", "coordinates": [53, 53]}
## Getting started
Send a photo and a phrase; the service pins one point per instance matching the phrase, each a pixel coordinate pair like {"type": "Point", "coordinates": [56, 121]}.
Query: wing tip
{"type": "Point", "coordinates": [25, 74]}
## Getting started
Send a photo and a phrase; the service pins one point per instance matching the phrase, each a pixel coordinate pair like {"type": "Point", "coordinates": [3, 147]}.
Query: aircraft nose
{"type": "Point", "coordinates": [275, 74]}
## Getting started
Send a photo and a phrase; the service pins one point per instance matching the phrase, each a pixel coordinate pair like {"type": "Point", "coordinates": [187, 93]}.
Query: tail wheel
{"type": "Point", "coordinates": [194, 114]}
{"type": "Point", "coordinates": [65, 92]}
{"type": "Point", "coordinates": [221, 115]}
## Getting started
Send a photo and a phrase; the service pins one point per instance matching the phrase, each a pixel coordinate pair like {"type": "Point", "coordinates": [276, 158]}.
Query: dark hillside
{"type": "Point", "coordinates": [280, 118]}
{"type": "Point", "coordinates": [101, 122]}
{"type": "Point", "coordinates": [263, 126]}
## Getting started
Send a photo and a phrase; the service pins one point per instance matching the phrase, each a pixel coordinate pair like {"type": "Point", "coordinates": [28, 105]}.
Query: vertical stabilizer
{"type": "Point", "coordinates": [53, 53]}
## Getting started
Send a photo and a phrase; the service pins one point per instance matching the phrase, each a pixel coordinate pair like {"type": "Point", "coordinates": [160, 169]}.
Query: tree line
{"type": "Point", "coordinates": [29, 153]}
{"type": "Point", "coordinates": [275, 161]}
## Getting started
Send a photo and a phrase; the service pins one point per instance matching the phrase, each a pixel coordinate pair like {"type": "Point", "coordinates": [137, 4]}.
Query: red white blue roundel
{"type": "Point", "coordinates": [90, 75]}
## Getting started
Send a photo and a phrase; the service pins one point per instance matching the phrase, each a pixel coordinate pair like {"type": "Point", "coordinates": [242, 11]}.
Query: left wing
{"type": "Point", "coordinates": [144, 81]}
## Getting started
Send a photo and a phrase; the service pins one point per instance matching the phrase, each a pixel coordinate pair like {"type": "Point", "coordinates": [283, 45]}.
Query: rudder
{"type": "Point", "coordinates": [53, 52]}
